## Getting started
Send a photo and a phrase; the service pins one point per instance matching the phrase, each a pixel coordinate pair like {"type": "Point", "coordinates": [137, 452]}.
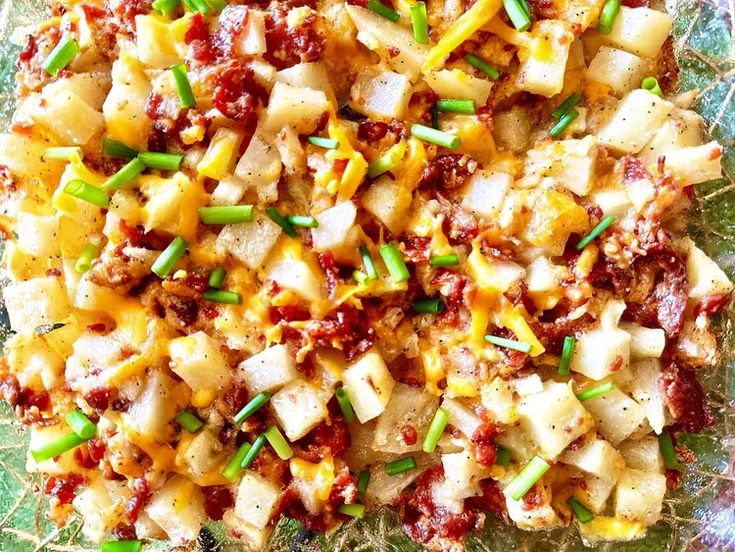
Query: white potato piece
{"type": "Point", "coordinates": [485, 192]}
{"type": "Point", "coordinates": [613, 201]}
{"type": "Point", "coordinates": [682, 129]}
{"type": "Point", "coordinates": [596, 492]}
{"type": "Point", "coordinates": [639, 114]}
{"type": "Point", "coordinates": [38, 234]}
{"type": "Point", "coordinates": [616, 415]}
{"type": "Point", "coordinates": [299, 408]}
{"type": "Point", "coordinates": [597, 351]}
{"type": "Point", "coordinates": [639, 496]}
{"type": "Point", "coordinates": [200, 362]}
{"type": "Point", "coordinates": [381, 95]}
{"type": "Point", "coordinates": [35, 302]}
{"type": "Point", "coordinates": [309, 75]}
{"type": "Point", "coordinates": [257, 499]}
{"type": "Point", "coordinates": [617, 69]}
{"type": "Point", "coordinates": [268, 370]}
{"type": "Point", "coordinates": [645, 342]}
{"type": "Point", "coordinates": [596, 457]}
{"type": "Point", "coordinates": [203, 454]}
{"type": "Point", "coordinates": [150, 413]}
{"type": "Point", "coordinates": [44, 435]}
{"type": "Point", "coordinates": [640, 31]}
{"type": "Point", "coordinates": [260, 164]}
{"type": "Point", "coordinates": [369, 385]}
{"type": "Point", "coordinates": [544, 74]}
{"type": "Point", "coordinates": [512, 129]}
{"type": "Point", "coordinates": [297, 276]}
{"type": "Point", "coordinates": [125, 104]}
{"type": "Point", "coordinates": [456, 84]}
{"type": "Point", "coordinates": [697, 164]}
{"type": "Point", "coordinates": [23, 155]}
{"type": "Point", "coordinates": [295, 106]}
{"type": "Point", "coordinates": [644, 388]}
{"type": "Point", "coordinates": [461, 416]}
{"type": "Point", "coordinates": [251, 40]}
{"type": "Point", "coordinates": [336, 227]}
{"type": "Point", "coordinates": [462, 476]}
{"type": "Point", "coordinates": [178, 509]}
{"type": "Point", "coordinates": [408, 407]}
{"type": "Point", "coordinates": [705, 276]}
{"type": "Point", "coordinates": [250, 242]}
{"type": "Point", "coordinates": [517, 441]}
{"type": "Point", "coordinates": [68, 131]}
{"type": "Point", "coordinates": [389, 202]}
{"type": "Point", "coordinates": [570, 163]}
{"type": "Point", "coordinates": [156, 46]}
{"type": "Point", "coordinates": [643, 454]}
{"type": "Point", "coordinates": [539, 516]}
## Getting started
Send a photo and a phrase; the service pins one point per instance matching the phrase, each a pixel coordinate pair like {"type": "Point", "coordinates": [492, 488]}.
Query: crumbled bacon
{"type": "Point", "coordinates": [344, 488]}
{"type": "Point", "coordinates": [31, 77]}
{"type": "Point", "coordinates": [634, 170]}
{"type": "Point", "coordinates": [544, 9]}
{"type": "Point", "coordinates": [124, 11]}
{"type": "Point", "coordinates": [448, 172]}
{"type": "Point", "coordinates": [289, 46]}
{"type": "Point", "coordinates": [64, 488]}
{"type": "Point", "coordinates": [99, 398]}
{"type": "Point", "coordinates": [712, 304]}
{"type": "Point", "coordinates": [486, 116]}
{"type": "Point", "coordinates": [409, 435]}
{"type": "Point", "coordinates": [332, 438]}
{"type": "Point", "coordinates": [27, 403]}
{"type": "Point", "coordinates": [217, 500]}
{"type": "Point", "coordinates": [346, 329]}
{"type": "Point", "coordinates": [125, 531]}
{"type": "Point", "coordinates": [198, 40]}
{"type": "Point", "coordinates": [141, 494]}
{"type": "Point", "coordinates": [417, 248]}
{"type": "Point", "coordinates": [685, 397]}
{"type": "Point", "coordinates": [236, 94]}
{"type": "Point", "coordinates": [326, 261]}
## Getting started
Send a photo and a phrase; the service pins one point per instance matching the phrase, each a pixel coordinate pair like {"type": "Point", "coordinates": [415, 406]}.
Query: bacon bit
{"type": "Point", "coordinates": [449, 172]}
{"type": "Point", "coordinates": [685, 397]}
{"type": "Point", "coordinates": [53, 272]}
{"type": "Point", "coordinates": [344, 488]}
{"type": "Point", "coordinates": [232, 21]}
{"type": "Point", "coordinates": [417, 249]}
{"type": "Point", "coordinates": [217, 500]}
{"type": "Point", "coordinates": [636, 3]}
{"type": "Point", "coordinates": [124, 11]}
{"type": "Point", "coordinates": [617, 364]}
{"type": "Point", "coordinates": [138, 237]}
{"type": "Point", "coordinates": [288, 313]}
{"type": "Point", "coordinates": [198, 40]}
{"type": "Point", "coordinates": [371, 131]}
{"type": "Point", "coordinates": [326, 261]}
{"type": "Point", "coordinates": [453, 286]}
{"type": "Point", "coordinates": [532, 499]}
{"type": "Point", "coordinates": [289, 46]}
{"type": "Point", "coordinates": [99, 398]}
{"type": "Point", "coordinates": [634, 170]}
{"type": "Point", "coordinates": [486, 117]}
{"type": "Point", "coordinates": [459, 225]}
{"type": "Point", "coordinates": [325, 439]}
{"type": "Point", "coordinates": [346, 329]}
{"type": "Point", "coordinates": [236, 94]}
{"type": "Point", "coordinates": [27, 403]}
{"type": "Point", "coordinates": [544, 9]}
{"type": "Point", "coordinates": [141, 495]}
{"type": "Point", "coordinates": [7, 182]}
{"type": "Point", "coordinates": [64, 488]}
{"type": "Point", "coordinates": [393, 51]}
{"type": "Point", "coordinates": [125, 532]}
{"type": "Point", "coordinates": [712, 304]}
{"type": "Point", "coordinates": [409, 435]}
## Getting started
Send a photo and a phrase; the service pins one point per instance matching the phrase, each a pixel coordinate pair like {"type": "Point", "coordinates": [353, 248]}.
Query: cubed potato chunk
{"type": "Point", "coordinates": [299, 408]}
{"type": "Point", "coordinates": [570, 163]}
{"type": "Point", "coordinates": [645, 342]}
{"type": "Point", "coordinates": [512, 129]}
{"type": "Point", "coordinates": [599, 352]}
{"type": "Point", "coordinates": [310, 75]}
{"type": "Point", "coordinates": [35, 302]}
{"type": "Point", "coordinates": [544, 74]}
{"type": "Point", "coordinates": [388, 202]}
{"type": "Point", "coordinates": [639, 496]}
{"type": "Point", "coordinates": [199, 361]}
{"type": "Point", "coordinates": [257, 499]}
{"type": "Point", "coordinates": [596, 491]}
{"type": "Point", "coordinates": [456, 84]}
{"type": "Point", "coordinates": [705, 276]}
{"type": "Point", "coordinates": [44, 435]}
{"type": "Point", "coordinates": [616, 415]}
{"type": "Point", "coordinates": [640, 31]}
{"type": "Point", "coordinates": [408, 406]}
{"type": "Point", "coordinates": [612, 201]}
{"type": "Point", "coordinates": [697, 164]}
{"type": "Point", "coordinates": [644, 388]}
{"type": "Point", "coordinates": [251, 40]}
{"type": "Point", "coordinates": [23, 155]}
{"type": "Point", "coordinates": [554, 216]}
{"type": "Point", "coordinates": [485, 193]}
{"type": "Point", "coordinates": [617, 69]}
{"type": "Point", "coordinates": [643, 454]}
{"type": "Point", "coordinates": [157, 47]}
{"type": "Point", "coordinates": [219, 160]}
{"type": "Point", "coordinates": [260, 165]}
{"type": "Point", "coordinates": [97, 503]}
{"type": "Point", "coordinates": [381, 95]}
{"type": "Point", "coordinates": [38, 235]}
{"type": "Point", "coordinates": [268, 370]}
{"type": "Point", "coordinates": [369, 385]}
{"type": "Point", "coordinates": [58, 102]}
{"type": "Point", "coordinates": [461, 416]}
{"type": "Point", "coordinates": [202, 454]}
{"type": "Point", "coordinates": [336, 226]}
{"type": "Point", "coordinates": [462, 475]}
{"type": "Point", "coordinates": [124, 108]}
{"type": "Point", "coordinates": [178, 509]}
{"type": "Point", "coordinates": [682, 129]}
{"type": "Point", "coordinates": [294, 106]}
{"type": "Point", "coordinates": [250, 242]}
{"type": "Point", "coordinates": [297, 276]}
{"type": "Point", "coordinates": [150, 413]}
{"type": "Point", "coordinates": [635, 121]}
{"type": "Point", "coordinates": [596, 457]}
{"type": "Point", "coordinates": [538, 516]}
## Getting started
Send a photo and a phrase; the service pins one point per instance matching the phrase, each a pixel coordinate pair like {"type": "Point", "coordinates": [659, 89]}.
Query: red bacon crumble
{"type": "Point", "coordinates": [712, 304]}
{"type": "Point", "coordinates": [217, 500]}
{"type": "Point", "coordinates": [685, 397]}
{"type": "Point", "coordinates": [409, 435]}
{"type": "Point", "coordinates": [64, 488]}
{"type": "Point", "coordinates": [99, 398]}
{"type": "Point", "coordinates": [142, 493]}
{"type": "Point", "coordinates": [449, 171]}
{"type": "Point", "coordinates": [289, 46]}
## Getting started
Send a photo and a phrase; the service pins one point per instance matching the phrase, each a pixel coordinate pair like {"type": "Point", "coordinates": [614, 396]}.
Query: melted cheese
{"type": "Point", "coordinates": [355, 170]}
{"type": "Point", "coordinates": [321, 475]}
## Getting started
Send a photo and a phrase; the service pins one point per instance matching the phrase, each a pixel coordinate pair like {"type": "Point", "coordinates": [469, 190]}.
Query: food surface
{"type": "Point", "coordinates": [312, 258]}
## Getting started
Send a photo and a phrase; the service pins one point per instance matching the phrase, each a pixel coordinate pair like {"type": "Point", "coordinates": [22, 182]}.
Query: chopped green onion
{"type": "Point", "coordinates": [200, 6]}
{"type": "Point", "coordinates": [383, 11]}
{"type": "Point", "coordinates": [86, 192]}
{"type": "Point", "coordinates": [55, 448]}
{"type": "Point", "coordinates": [62, 153]}
{"type": "Point", "coordinates": [428, 306]}
{"type": "Point", "coordinates": [435, 431]}
{"type": "Point", "coordinates": [217, 277]}
{"type": "Point", "coordinates": [595, 391]}
{"type": "Point", "coordinates": [124, 176]}
{"type": "Point", "coordinates": [88, 254]}
{"type": "Point", "coordinates": [666, 445]}
{"type": "Point", "coordinates": [122, 546]}
{"type": "Point", "coordinates": [114, 148]}
{"type": "Point", "coordinates": [526, 478]}
{"type": "Point", "coordinates": [509, 343]}
{"type": "Point", "coordinates": [278, 442]}
{"type": "Point", "coordinates": [162, 161]}
{"type": "Point", "coordinates": [165, 6]}
{"type": "Point", "coordinates": [518, 13]}
{"type": "Point", "coordinates": [352, 510]}
{"type": "Point", "coordinates": [233, 469]}
{"type": "Point", "coordinates": [651, 84]}
{"type": "Point", "coordinates": [167, 260]}
{"type": "Point", "coordinates": [607, 16]}
{"type": "Point", "coordinates": [189, 421]}
{"type": "Point", "coordinates": [223, 296]}
{"type": "Point", "coordinates": [400, 466]}
{"type": "Point", "coordinates": [466, 107]}
{"type": "Point", "coordinates": [435, 118]}
{"type": "Point", "coordinates": [61, 56]}
{"type": "Point", "coordinates": [571, 101]}
{"type": "Point", "coordinates": [183, 86]}
{"type": "Point", "coordinates": [596, 231]}
{"type": "Point", "coordinates": [344, 404]}
{"type": "Point", "coordinates": [218, 5]}
{"type": "Point", "coordinates": [566, 355]}
{"type": "Point", "coordinates": [433, 136]}
{"type": "Point", "coordinates": [478, 63]}
{"type": "Point", "coordinates": [362, 483]}
{"type": "Point", "coordinates": [444, 260]}
{"type": "Point", "coordinates": [502, 456]}
{"type": "Point", "coordinates": [420, 23]}
{"type": "Point", "coordinates": [360, 277]}
{"type": "Point", "coordinates": [326, 143]}
{"type": "Point", "coordinates": [386, 162]}
{"type": "Point", "coordinates": [302, 221]}
{"type": "Point", "coordinates": [281, 221]}
{"type": "Point", "coordinates": [394, 263]}
{"type": "Point", "coordinates": [563, 123]}
{"type": "Point", "coordinates": [226, 214]}
{"type": "Point", "coordinates": [580, 511]}
{"type": "Point", "coordinates": [81, 425]}
{"type": "Point", "coordinates": [253, 452]}
{"type": "Point", "coordinates": [249, 409]}
{"type": "Point", "coordinates": [371, 273]}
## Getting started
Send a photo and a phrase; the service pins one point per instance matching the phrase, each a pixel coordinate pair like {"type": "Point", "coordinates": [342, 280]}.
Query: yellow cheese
{"type": "Point", "coordinates": [460, 387]}
{"type": "Point", "coordinates": [433, 370]}
{"type": "Point", "coordinates": [354, 173]}
{"type": "Point", "coordinates": [613, 529]}
{"type": "Point", "coordinates": [321, 474]}
{"type": "Point", "coordinates": [513, 318]}
{"type": "Point", "coordinates": [219, 160]}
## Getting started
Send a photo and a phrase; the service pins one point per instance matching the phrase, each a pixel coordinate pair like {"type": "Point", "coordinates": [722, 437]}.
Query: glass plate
{"type": "Point", "coordinates": [699, 516]}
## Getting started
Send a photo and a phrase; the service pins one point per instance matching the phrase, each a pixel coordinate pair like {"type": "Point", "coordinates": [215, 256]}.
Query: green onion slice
{"type": "Point", "coordinates": [122, 546]}
{"type": "Point", "coordinates": [344, 404]}
{"type": "Point", "coordinates": [383, 11]}
{"type": "Point", "coordinates": [167, 260]}
{"type": "Point", "coordinates": [362, 483]}
{"type": "Point", "coordinates": [526, 478]}
{"type": "Point", "coordinates": [420, 23]}
{"type": "Point", "coordinates": [400, 466]}
{"type": "Point", "coordinates": [651, 84]}
{"type": "Point", "coordinates": [360, 277]}
{"type": "Point", "coordinates": [371, 273]}
{"type": "Point", "coordinates": [226, 214]}
{"type": "Point", "coordinates": [281, 221]}
{"type": "Point", "coordinates": [607, 16]}
{"type": "Point", "coordinates": [352, 510]}
{"type": "Point", "coordinates": [217, 277]}
{"type": "Point", "coordinates": [63, 153]}
{"type": "Point", "coordinates": [595, 391]}
{"type": "Point", "coordinates": [388, 161]}
{"type": "Point", "coordinates": [183, 86]}
{"type": "Point", "coordinates": [666, 445]}
{"type": "Point", "coordinates": [302, 221]}
{"type": "Point", "coordinates": [253, 452]}
{"type": "Point", "coordinates": [55, 448]}
{"type": "Point", "coordinates": [435, 118]}
{"type": "Point", "coordinates": [466, 107]}
{"type": "Point", "coordinates": [326, 143]}
{"type": "Point", "coordinates": [509, 343]}
{"type": "Point", "coordinates": [444, 260]}
{"type": "Point", "coordinates": [580, 511]}
{"type": "Point", "coordinates": [81, 425]}
{"type": "Point", "coordinates": [278, 442]}
{"type": "Point", "coordinates": [435, 431]}
{"type": "Point", "coordinates": [428, 306]}
{"type": "Point", "coordinates": [218, 5]}
{"type": "Point", "coordinates": [394, 263]}
{"type": "Point", "coordinates": [438, 137]}
{"type": "Point", "coordinates": [571, 101]}
{"type": "Point", "coordinates": [188, 420]}
{"type": "Point", "coordinates": [596, 231]}
{"type": "Point", "coordinates": [566, 355]}
{"type": "Point", "coordinates": [89, 253]}
{"type": "Point", "coordinates": [114, 148]}
{"type": "Point", "coordinates": [563, 123]}
{"type": "Point", "coordinates": [223, 296]}
{"type": "Point", "coordinates": [165, 7]}
{"type": "Point", "coordinates": [61, 56]}
{"type": "Point", "coordinates": [478, 63]}
{"type": "Point", "coordinates": [518, 13]}
{"type": "Point", "coordinates": [87, 192]}
{"type": "Point", "coordinates": [233, 469]}
{"type": "Point", "coordinates": [161, 161]}
{"type": "Point", "coordinates": [249, 409]}
{"type": "Point", "coordinates": [502, 456]}
{"type": "Point", "coordinates": [200, 6]}
{"type": "Point", "coordinates": [124, 176]}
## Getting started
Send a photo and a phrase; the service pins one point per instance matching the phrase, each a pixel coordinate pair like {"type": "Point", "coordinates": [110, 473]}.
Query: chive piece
{"type": "Point", "coordinates": [167, 260]}
{"type": "Point", "coordinates": [352, 510]}
{"type": "Point", "coordinates": [360, 277]}
{"type": "Point", "coordinates": [55, 448]}
{"type": "Point", "coordinates": [435, 118]}
{"type": "Point", "coordinates": [433, 136]}
{"type": "Point", "coordinates": [383, 11]}
{"type": "Point", "coordinates": [526, 478]}
{"type": "Point", "coordinates": [223, 296]}
{"type": "Point", "coordinates": [386, 162]}
{"type": "Point", "coordinates": [362, 483]}
{"type": "Point", "coordinates": [201, 6]}
{"type": "Point", "coordinates": [253, 452]}
{"type": "Point", "coordinates": [124, 176]}
{"type": "Point", "coordinates": [122, 546]}
{"type": "Point", "coordinates": [233, 469]}
{"type": "Point", "coordinates": [420, 23]}
{"type": "Point", "coordinates": [371, 273]}
{"type": "Point", "coordinates": [444, 260]}
{"type": "Point", "coordinates": [571, 101]}
{"type": "Point", "coordinates": [667, 451]}
{"type": "Point", "coordinates": [188, 420]}
{"type": "Point", "coordinates": [162, 161]}
{"type": "Point", "coordinates": [502, 456]}
{"type": "Point", "coordinates": [466, 107]}
{"type": "Point", "coordinates": [278, 442]}
{"type": "Point", "coordinates": [596, 231]}
{"type": "Point", "coordinates": [435, 431]}
{"type": "Point", "coordinates": [478, 63]}
{"type": "Point", "coordinates": [61, 56]}
{"type": "Point", "coordinates": [62, 153]}
{"type": "Point", "coordinates": [217, 277]}
{"type": "Point", "coordinates": [282, 222]}
{"type": "Point", "coordinates": [428, 306]}
{"type": "Point", "coordinates": [518, 13]}
{"type": "Point", "coordinates": [509, 343]}
{"type": "Point", "coordinates": [607, 16]}
{"type": "Point", "coordinates": [595, 391]}
{"type": "Point", "coordinates": [326, 143]}
{"type": "Point", "coordinates": [226, 214]}
{"type": "Point", "coordinates": [302, 221]}
{"type": "Point", "coordinates": [165, 7]}
{"type": "Point", "coordinates": [400, 466]}
{"type": "Point", "coordinates": [86, 192]}
{"type": "Point", "coordinates": [81, 425]}
{"type": "Point", "coordinates": [183, 86]}
{"type": "Point", "coordinates": [114, 148]}
{"type": "Point", "coordinates": [566, 355]}
{"type": "Point", "coordinates": [249, 409]}
{"type": "Point", "coordinates": [394, 263]}
{"type": "Point", "coordinates": [563, 123]}
{"type": "Point", "coordinates": [344, 404]}
{"type": "Point", "coordinates": [218, 5]}
{"type": "Point", "coordinates": [580, 511]}
{"type": "Point", "coordinates": [651, 84]}
{"type": "Point", "coordinates": [88, 254]}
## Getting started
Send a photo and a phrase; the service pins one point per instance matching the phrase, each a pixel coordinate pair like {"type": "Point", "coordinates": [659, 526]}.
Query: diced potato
{"type": "Point", "coordinates": [544, 74]}
{"type": "Point", "coordinates": [309, 75]}
{"type": "Point", "coordinates": [52, 114]}
{"type": "Point", "coordinates": [202, 454]}
{"type": "Point", "coordinates": [705, 276]}
{"type": "Point", "coordinates": [644, 342]}
{"type": "Point", "coordinates": [639, 496]}
{"type": "Point", "coordinates": [268, 370]}
{"type": "Point", "coordinates": [695, 165]}
{"type": "Point", "coordinates": [640, 31]}
{"type": "Point", "coordinates": [251, 40]}
{"type": "Point", "coordinates": [336, 227]}
{"type": "Point", "coordinates": [617, 415]}
{"type": "Point", "coordinates": [369, 385]}
{"type": "Point", "coordinates": [299, 408]}
{"type": "Point", "coordinates": [253, 537]}
{"type": "Point", "coordinates": [124, 108]}
{"type": "Point", "coordinates": [570, 163]}
{"type": "Point", "coordinates": [408, 407]}
{"type": "Point", "coordinates": [512, 129]}
{"type": "Point", "coordinates": [497, 398]}
{"type": "Point", "coordinates": [381, 95]}
{"type": "Point", "coordinates": [596, 491]}
{"type": "Point", "coordinates": [596, 457]}
{"type": "Point", "coordinates": [219, 161]}
{"type": "Point", "coordinates": [257, 499]}
{"type": "Point", "coordinates": [297, 107]}
{"type": "Point", "coordinates": [462, 475]}
{"type": "Point", "coordinates": [644, 454]}
{"type": "Point", "coordinates": [199, 361]}
{"type": "Point", "coordinates": [172, 204]}
{"type": "Point", "coordinates": [682, 129]}
{"type": "Point", "coordinates": [456, 84]}
{"type": "Point", "coordinates": [615, 202]}
{"type": "Point", "coordinates": [517, 441]}
{"type": "Point", "coordinates": [150, 413]}
{"type": "Point", "coordinates": [89, 87]}
{"type": "Point", "coordinates": [23, 155]}
{"type": "Point", "coordinates": [538, 516]}
{"type": "Point", "coordinates": [617, 69]}
{"type": "Point", "coordinates": [597, 352]}
{"type": "Point", "coordinates": [178, 508]}
{"type": "Point", "coordinates": [554, 216]}
{"type": "Point", "coordinates": [461, 416]}
{"type": "Point", "coordinates": [645, 390]}
{"type": "Point", "coordinates": [542, 275]}
{"type": "Point", "coordinates": [485, 193]}
{"type": "Point", "coordinates": [635, 121]}
{"type": "Point", "coordinates": [38, 235]}
{"type": "Point", "coordinates": [250, 242]}
{"type": "Point", "coordinates": [35, 302]}
{"type": "Point", "coordinates": [297, 276]}
{"type": "Point", "coordinates": [34, 362]}
{"type": "Point", "coordinates": [43, 435]}
{"type": "Point", "coordinates": [389, 202]}
{"type": "Point", "coordinates": [260, 165]}
{"type": "Point", "coordinates": [158, 46]}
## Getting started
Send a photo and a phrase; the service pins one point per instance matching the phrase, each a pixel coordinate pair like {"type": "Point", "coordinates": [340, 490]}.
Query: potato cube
{"type": "Point", "coordinates": [202, 454]}
{"type": "Point", "coordinates": [369, 385]}
{"type": "Point", "coordinates": [462, 475]}
{"type": "Point", "coordinates": [43, 435]}
{"type": "Point", "coordinates": [704, 275]}
{"type": "Point", "coordinates": [643, 454]}
{"type": "Point", "coordinates": [250, 242]}
{"type": "Point", "coordinates": [299, 408]}
{"type": "Point", "coordinates": [695, 165]}
{"type": "Point", "coordinates": [614, 202]}
{"type": "Point", "coordinates": [257, 499]}
{"type": "Point", "coordinates": [219, 160]}
{"type": "Point", "coordinates": [150, 413]}
{"type": "Point", "coordinates": [268, 370]}
{"type": "Point", "coordinates": [512, 129]}
{"type": "Point", "coordinates": [199, 361]}
{"type": "Point", "coordinates": [544, 74]}
{"type": "Point", "coordinates": [596, 457]}
{"type": "Point", "coordinates": [456, 84]}
{"type": "Point", "coordinates": [97, 504]}
{"type": "Point", "coordinates": [640, 31]}
{"type": "Point", "coordinates": [540, 515]}
{"type": "Point", "coordinates": [260, 165]}
{"type": "Point", "coordinates": [597, 352]}
{"type": "Point", "coordinates": [124, 107]}
{"type": "Point", "coordinates": [682, 129]}
{"type": "Point", "coordinates": [335, 226]}
{"type": "Point", "coordinates": [53, 115]}
{"type": "Point", "coordinates": [178, 509]}
{"type": "Point", "coordinates": [645, 342]}
{"type": "Point", "coordinates": [389, 202]}
{"type": "Point", "coordinates": [253, 537]}
{"type": "Point", "coordinates": [35, 302]}
{"type": "Point", "coordinates": [38, 235]}
{"type": "Point", "coordinates": [297, 107]}
{"type": "Point", "coordinates": [617, 69]}
{"type": "Point", "coordinates": [251, 40]}
{"type": "Point", "coordinates": [381, 95]}
{"type": "Point", "coordinates": [23, 155]}
{"type": "Point", "coordinates": [635, 121]}
{"type": "Point", "coordinates": [617, 415]}
{"type": "Point", "coordinates": [408, 406]}
{"type": "Point", "coordinates": [309, 75]}
{"type": "Point", "coordinates": [297, 276]}
{"type": "Point", "coordinates": [645, 390]}
{"type": "Point", "coordinates": [554, 216]}
{"type": "Point", "coordinates": [461, 416]}
{"type": "Point", "coordinates": [570, 163]}
{"type": "Point", "coordinates": [485, 193]}
{"type": "Point", "coordinates": [639, 496]}
{"type": "Point", "coordinates": [157, 45]}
